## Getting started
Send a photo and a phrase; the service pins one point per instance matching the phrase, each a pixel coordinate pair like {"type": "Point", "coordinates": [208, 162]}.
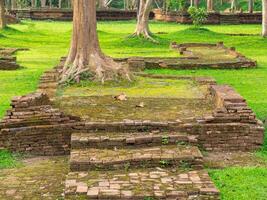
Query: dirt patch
{"type": "Point", "coordinates": [233, 159]}
{"type": "Point", "coordinates": [39, 178]}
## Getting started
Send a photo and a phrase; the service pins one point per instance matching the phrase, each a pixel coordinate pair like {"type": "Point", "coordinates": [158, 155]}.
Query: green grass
{"type": "Point", "coordinates": [241, 183]}
{"type": "Point", "coordinates": [8, 160]}
{"type": "Point", "coordinates": [48, 41]}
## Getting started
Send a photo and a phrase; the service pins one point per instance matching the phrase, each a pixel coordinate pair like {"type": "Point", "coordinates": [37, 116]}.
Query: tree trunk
{"type": "Point", "coordinates": [142, 27]}
{"type": "Point", "coordinates": [209, 5]}
{"type": "Point", "coordinates": [196, 3]}
{"type": "Point", "coordinates": [233, 5]}
{"type": "Point", "coordinates": [102, 4]}
{"type": "Point", "coordinates": [85, 56]}
{"type": "Point", "coordinates": [264, 18]}
{"type": "Point", "coordinates": [13, 4]}
{"type": "Point", "coordinates": [250, 6]}
{"type": "Point", "coordinates": [43, 3]}
{"type": "Point", "coordinates": [2, 14]}
{"type": "Point", "coordinates": [59, 3]}
{"type": "Point", "coordinates": [33, 3]}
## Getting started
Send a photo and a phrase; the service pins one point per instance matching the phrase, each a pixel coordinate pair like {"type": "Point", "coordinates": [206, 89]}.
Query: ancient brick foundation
{"type": "Point", "coordinates": [33, 126]}
{"type": "Point", "coordinates": [213, 18]}
{"type": "Point", "coordinates": [66, 14]}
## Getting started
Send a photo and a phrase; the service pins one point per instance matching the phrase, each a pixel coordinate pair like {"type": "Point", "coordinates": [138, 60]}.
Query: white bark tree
{"type": "Point", "coordinates": [85, 55]}
{"type": "Point", "coordinates": [264, 18]}
{"type": "Point", "coordinates": [209, 5]}
{"type": "Point", "coordinates": [250, 6]}
{"type": "Point", "coordinates": [142, 27]}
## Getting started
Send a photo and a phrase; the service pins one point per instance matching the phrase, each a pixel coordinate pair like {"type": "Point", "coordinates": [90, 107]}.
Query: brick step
{"type": "Point", "coordinates": [155, 183]}
{"type": "Point", "coordinates": [110, 140]}
{"type": "Point", "coordinates": [167, 156]}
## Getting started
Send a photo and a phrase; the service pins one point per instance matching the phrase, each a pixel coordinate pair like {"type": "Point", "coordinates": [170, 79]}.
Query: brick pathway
{"type": "Point", "coordinates": [155, 165]}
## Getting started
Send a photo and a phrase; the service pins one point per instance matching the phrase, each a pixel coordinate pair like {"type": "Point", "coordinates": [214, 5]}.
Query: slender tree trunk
{"type": "Point", "coordinates": [142, 27]}
{"type": "Point", "coordinates": [33, 3]}
{"type": "Point", "coordinates": [85, 55]}
{"type": "Point", "coordinates": [196, 3]}
{"type": "Point", "coordinates": [2, 14]}
{"type": "Point", "coordinates": [13, 4]}
{"type": "Point", "coordinates": [43, 3]}
{"type": "Point", "coordinates": [264, 18]}
{"type": "Point", "coordinates": [250, 6]}
{"type": "Point", "coordinates": [233, 5]}
{"type": "Point", "coordinates": [209, 5]}
{"type": "Point", "coordinates": [59, 3]}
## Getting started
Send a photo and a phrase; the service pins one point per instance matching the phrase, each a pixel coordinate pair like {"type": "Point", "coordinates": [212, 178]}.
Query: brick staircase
{"type": "Point", "coordinates": [137, 165]}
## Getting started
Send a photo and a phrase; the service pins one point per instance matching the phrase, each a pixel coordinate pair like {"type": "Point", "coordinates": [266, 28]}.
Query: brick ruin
{"type": "Point", "coordinates": [66, 14]}
{"type": "Point", "coordinates": [131, 159]}
{"type": "Point", "coordinates": [190, 60]}
{"type": "Point", "coordinates": [232, 126]}
{"type": "Point", "coordinates": [213, 18]}
{"type": "Point", "coordinates": [7, 59]}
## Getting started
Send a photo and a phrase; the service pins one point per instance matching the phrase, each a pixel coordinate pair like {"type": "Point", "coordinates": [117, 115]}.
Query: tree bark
{"type": "Point", "coordinates": [142, 27]}
{"type": "Point", "coordinates": [85, 55]}
{"type": "Point", "coordinates": [233, 5]}
{"type": "Point", "coordinates": [209, 5]}
{"type": "Point", "coordinates": [264, 18]}
{"type": "Point", "coordinates": [2, 14]}
{"type": "Point", "coordinates": [33, 3]}
{"type": "Point", "coordinates": [196, 3]}
{"type": "Point", "coordinates": [250, 6]}
{"type": "Point", "coordinates": [59, 3]}
{"type": "Point", "coordinates": [43, 3]}
{"type": "Point", "coordinates": [13, 4]}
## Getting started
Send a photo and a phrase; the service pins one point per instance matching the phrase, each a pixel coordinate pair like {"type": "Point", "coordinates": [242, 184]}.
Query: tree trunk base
{"type": "Point", "coordinates": [144, 34]}
{"type": "Point", "coordinates": [99, 68]}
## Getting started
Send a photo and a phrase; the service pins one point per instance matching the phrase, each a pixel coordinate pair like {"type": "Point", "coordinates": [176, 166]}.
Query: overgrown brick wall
{"type": "Point", "coordinates": [33, 126]}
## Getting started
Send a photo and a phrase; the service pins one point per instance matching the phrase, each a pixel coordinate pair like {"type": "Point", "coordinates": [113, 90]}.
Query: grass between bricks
{"type": "Point", "coordinates": [48, 41]}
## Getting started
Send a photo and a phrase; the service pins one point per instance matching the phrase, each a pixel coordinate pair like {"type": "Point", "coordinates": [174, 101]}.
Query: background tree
{"type": "Point", "coordinates": [250, 6]}
{"type": "Point", "coordinates": [142, 26]}
{"type": "Point", "coordinates": [2, 14]}
{"type": "Point", "coordinates": [85, 57]}
{"type": "Point", "coordinates": [264, 18]}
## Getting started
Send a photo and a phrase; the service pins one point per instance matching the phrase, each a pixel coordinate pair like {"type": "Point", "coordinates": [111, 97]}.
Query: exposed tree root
{"type": "Point", "coordinates": [146, 35]}
{"type": "Point", "coordinates": [99, 68]}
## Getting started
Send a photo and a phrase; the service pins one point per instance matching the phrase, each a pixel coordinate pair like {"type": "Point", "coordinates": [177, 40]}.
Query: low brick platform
{"type": "Point", "coordinates": [193, 56]}
{"type": "Point", "coordinates": [91, 158]}
{"type": "Point", "coordinates": [213, 17]}
{"type": "Point", "coordinates": [7, 59]}
{"type": "Point", "coordinates": [141, 184]}
{"type": "Point", "coordinates": [109, 140]}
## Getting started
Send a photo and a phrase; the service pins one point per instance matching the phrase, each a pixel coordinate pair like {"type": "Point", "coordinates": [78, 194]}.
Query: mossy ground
{"type": "Point", "coordinates": [162, 99]}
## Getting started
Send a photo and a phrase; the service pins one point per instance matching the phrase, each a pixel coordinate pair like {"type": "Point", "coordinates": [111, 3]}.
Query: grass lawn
{"type": "Point", "coordinates": [48, 41]}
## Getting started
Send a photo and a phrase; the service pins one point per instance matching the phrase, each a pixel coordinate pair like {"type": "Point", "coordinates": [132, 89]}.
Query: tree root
{"type": "Point", "coordinates": [100, 69]}
{"type": "Point", "coordinates": [146, 35]}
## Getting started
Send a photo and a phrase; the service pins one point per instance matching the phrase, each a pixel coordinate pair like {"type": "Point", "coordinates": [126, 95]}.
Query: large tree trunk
{"type": "Point", "coordinates": [250, 6]}
{"type": "Point", "coordinates": [209, 5]}
{"type": "Point", "coordinates": [142, 27]}
{"type": "Point", "coordinates": [85, 55]}
{"type": "Point", "coordinates": [2, 14]}
{"type": "Point", "coordinates": [264, 18]}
